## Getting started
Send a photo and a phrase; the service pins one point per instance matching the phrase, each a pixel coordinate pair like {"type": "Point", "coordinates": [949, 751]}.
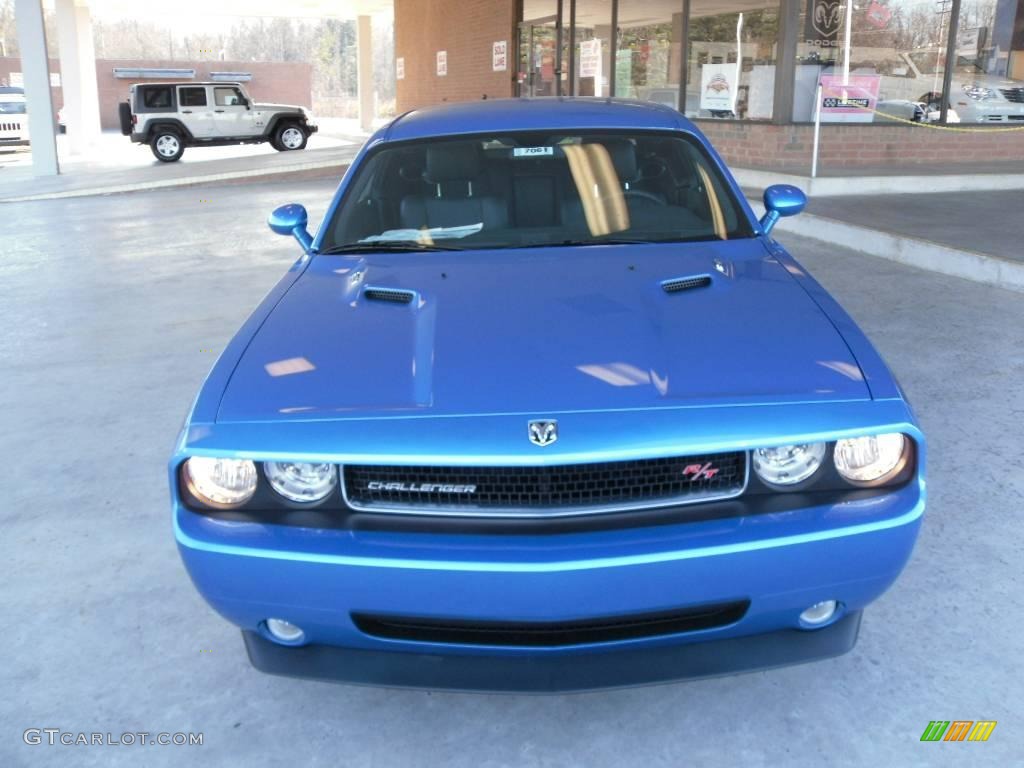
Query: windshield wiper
{"type": "Point", "coordinates": [392, 246]}
{"type": "Point", "coordinates": [638, 241]}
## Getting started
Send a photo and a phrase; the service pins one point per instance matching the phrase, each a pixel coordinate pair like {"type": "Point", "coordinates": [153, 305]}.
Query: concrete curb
{"type": "Point", "coordinates": [914, 252]}
{"type": "Point", "coordinates": [183, 181]}
{"type": "Point", "coordinates": [834, 186]}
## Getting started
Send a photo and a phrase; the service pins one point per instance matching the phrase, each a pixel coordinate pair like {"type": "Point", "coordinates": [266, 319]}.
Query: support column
{"type": "Point", "coordinates": [364, 80]}
{"type": "Point", "coordinates": [28, 16]}
{"type": "Point", "coordinates": [78, 75]}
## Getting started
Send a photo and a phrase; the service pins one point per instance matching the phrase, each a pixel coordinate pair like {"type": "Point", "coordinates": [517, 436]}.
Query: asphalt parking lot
{"type": "Point", "coordinates": [114, 308]}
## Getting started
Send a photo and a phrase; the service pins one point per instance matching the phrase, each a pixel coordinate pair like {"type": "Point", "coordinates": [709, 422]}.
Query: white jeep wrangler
{"type": "Point", "coordinates": [171, 116]}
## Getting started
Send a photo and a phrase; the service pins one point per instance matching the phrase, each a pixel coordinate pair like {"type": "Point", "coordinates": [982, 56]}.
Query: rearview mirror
{"type": "Point", "coordinates": [781, 200]}
{"type": "Point", "coordinates": [291, 220]}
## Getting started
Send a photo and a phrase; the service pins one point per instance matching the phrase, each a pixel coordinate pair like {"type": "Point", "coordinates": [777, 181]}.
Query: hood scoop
{"type": "Point", "coordinates": [677, 284]}
{"type": "Point", "coordinates": [389, 295]}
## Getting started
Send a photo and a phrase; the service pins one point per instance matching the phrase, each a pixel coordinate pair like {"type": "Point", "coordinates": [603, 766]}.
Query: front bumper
{"type": "Point", "coordinates": [782, 563]}
{"type": "Point", "coordinates": [547, 673]}
{"type": "Point", "coordinates": [990, 111]}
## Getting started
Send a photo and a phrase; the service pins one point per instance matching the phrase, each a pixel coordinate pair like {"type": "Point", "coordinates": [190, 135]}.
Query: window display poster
{"type": "Point", "coordinates": [852, 101]}
{"type": "Point", "coordinates": [499, 56]}
{"type": "Point", "coordinates": [590, 58]}
{"type": "Point", "coordinates": [718, 87]}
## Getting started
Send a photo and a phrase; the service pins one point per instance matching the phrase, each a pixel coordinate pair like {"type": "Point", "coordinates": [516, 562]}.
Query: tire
{"type": "Point", "coordinates": [124, 118]}
{"type": "Point", "coordinates": [167, 145]}
{"type": "Point", "coordinates": [289, 137]}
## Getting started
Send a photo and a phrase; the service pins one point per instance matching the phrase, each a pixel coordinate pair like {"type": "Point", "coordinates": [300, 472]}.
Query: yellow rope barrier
{"type": "Point", "coordinates": [917, 124]}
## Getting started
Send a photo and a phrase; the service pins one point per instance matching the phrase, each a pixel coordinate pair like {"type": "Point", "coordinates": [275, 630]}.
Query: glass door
{"type": "Point", "coordinates": [537, 40]}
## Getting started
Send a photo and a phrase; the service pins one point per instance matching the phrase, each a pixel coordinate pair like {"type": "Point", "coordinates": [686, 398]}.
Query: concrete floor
{"type": "Point", "coordinates": [982, 222]}
{"type": "Point", "coordinates": [113, 310]}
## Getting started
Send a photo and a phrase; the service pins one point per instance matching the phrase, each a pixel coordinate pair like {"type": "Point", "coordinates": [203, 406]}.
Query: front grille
{"type": "Point", "coordinates": [545, 491]}
{"type": "Point", "coordinates": [550, 634]}
{"type": "Point", "coordinates": [1015, 95]}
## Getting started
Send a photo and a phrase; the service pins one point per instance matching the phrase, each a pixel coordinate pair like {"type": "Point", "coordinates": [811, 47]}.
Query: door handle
{"type": "Point", "coordinates": [218, 110]}
{"type": "Point", "coordinates": [186, 111]}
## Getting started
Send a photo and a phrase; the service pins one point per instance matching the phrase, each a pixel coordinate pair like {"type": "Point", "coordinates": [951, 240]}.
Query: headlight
{"type": "Point", "coordinates": [870, 460]}
{"type": "Point", "coordinates": [220, 483]}
{"type": "Point", "coordinates": [979, 92]}
{"type": "Point", "coordinates": [788, 464]}
{"type": "Point", "coordinates": [302, 483]}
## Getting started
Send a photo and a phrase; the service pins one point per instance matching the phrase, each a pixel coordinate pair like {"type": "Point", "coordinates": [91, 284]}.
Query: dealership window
{"type": "Point", "coordinates": [592, 48]}
{"type": "Point", "coordinates": [731, 59]}
{"type": "Point", "coordinates": [538, 38]}
{"type": "Point", "coordinates": [884, 59]}
{"type": "Point", "coordinates": [987, 81]}
{"type": "Point", "coordinates": [647, 60]}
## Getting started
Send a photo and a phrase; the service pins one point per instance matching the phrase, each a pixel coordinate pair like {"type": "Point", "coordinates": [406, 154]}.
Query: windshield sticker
{"type": "Point", "coordinates": [533, 152]}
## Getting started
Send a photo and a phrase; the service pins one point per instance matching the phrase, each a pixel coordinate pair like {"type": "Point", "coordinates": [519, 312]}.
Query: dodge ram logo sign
{"type": "Point", "coordinates": [543, 432]}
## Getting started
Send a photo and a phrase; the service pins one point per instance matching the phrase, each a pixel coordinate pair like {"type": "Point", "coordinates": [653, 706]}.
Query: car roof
{"type": "Point", "coordinates": [547, 113]}
{"type": "Point", "coordinates": [175, 84]}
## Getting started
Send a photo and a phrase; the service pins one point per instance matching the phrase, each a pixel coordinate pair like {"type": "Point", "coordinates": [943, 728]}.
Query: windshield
{"type": "Point", "coordinates": [12, 107]}
{"type": "Point", "coordinates": [522, 190]}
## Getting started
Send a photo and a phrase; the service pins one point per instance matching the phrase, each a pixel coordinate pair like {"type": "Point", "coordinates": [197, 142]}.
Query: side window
{"type": "Point", "coordinates": [227, 97]}
{"type": "Point", "coordinates": [157, 97]}
{"type": "Point", "coordinates": [194, 96]}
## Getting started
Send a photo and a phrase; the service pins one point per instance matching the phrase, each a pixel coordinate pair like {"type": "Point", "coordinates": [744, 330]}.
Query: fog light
{"type": "Point", "coordinates": [818, 614]}
{"type": "Point", "coordinates": [284, 631]}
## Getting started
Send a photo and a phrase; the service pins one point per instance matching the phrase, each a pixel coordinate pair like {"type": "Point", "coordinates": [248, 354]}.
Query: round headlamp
{"type": "Point", "coordinates": [220, 483]}
{"type": "Point", "coordinates": [300, 482]}
{"type": "Point", "coordinates": [788, 464]}
{"type": "Point", "coordinates": [870, 460]}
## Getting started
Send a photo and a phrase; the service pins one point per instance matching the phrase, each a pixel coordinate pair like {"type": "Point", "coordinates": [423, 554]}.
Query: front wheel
{"type": "Point", "coordinates": [289, 137]}
{"type": "Point", "coordinates": [167, 146]}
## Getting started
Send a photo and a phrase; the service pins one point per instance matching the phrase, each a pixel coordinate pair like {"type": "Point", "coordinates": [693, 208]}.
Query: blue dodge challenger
{"type": "Point", "coordinates": [543, 406]}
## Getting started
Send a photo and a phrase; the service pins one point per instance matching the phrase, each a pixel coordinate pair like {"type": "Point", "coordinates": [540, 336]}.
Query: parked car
{"type": "Point", "coordinates": [172, 116]}
{"type": "Point", "coordinates": [910, 87]}
{"type": "Point", "coordinates": [543, 405]}
{"type": "Point", "coordinates": [13, 116]}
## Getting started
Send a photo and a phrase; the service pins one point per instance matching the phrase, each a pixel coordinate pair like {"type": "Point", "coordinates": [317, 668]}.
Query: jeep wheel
{"type": "Point", "coordinates": [288, 137]}
{"type": "Point", "coordinates": [167, 146]}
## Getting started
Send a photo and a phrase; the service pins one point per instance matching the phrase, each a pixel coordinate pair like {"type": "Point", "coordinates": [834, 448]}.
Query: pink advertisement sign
{"type": "Point", "coordinates": [852, 101]}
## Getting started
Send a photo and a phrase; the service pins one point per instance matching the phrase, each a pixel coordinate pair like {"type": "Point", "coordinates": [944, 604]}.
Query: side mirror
{"type": "Point", "coordinates": [291, 220]}
{"type": "Point", "coordinates": [781, 200]}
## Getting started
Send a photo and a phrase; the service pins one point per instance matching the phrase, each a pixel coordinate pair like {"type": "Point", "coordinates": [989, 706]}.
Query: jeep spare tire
{"type": "Point", "coordinates": [289, 136]}
{"type": "Point", "coordinates": [167, 145]}
{"type": "Point", "coordinates": [124, 116]}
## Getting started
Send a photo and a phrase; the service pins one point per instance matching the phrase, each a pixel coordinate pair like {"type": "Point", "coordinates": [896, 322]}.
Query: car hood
{"type": "Point", "coordinates": [278, 107]}
{"type": "Point", "coordinates": [540, 331]}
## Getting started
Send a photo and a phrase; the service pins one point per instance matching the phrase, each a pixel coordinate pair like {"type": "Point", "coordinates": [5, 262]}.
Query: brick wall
{"type": "Point", "coordinates": [280, 82]}
{"type": "Point", "coordinates": [788, 147]}
{"type": "Point", "coordinates": [466, 29]}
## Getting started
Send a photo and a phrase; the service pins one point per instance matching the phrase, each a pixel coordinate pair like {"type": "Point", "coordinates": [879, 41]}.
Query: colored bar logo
{"type": "Point", "coordinates": [958, 730]}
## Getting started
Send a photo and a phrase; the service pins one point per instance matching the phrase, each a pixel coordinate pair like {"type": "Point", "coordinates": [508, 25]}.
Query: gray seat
{"type": "Point", "coordinates": [454, 198]}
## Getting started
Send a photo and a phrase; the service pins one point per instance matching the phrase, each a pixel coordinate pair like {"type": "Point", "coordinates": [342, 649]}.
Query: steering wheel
{"type": "Point", "coordinates": [645, 195]}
